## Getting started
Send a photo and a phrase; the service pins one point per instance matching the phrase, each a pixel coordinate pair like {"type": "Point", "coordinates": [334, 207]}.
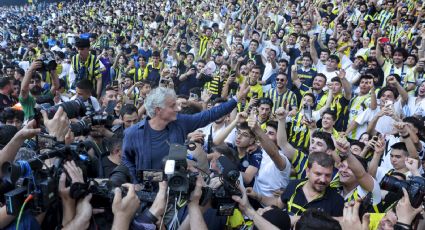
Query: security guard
{"type": "Point", "coordinates": [128, 115]}
{"type": "Point", "coordinates": [315, 191]}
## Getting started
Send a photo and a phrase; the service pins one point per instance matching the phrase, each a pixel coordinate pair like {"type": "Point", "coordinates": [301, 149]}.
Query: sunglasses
{"type": "Point", "coordinates": [280, 79]}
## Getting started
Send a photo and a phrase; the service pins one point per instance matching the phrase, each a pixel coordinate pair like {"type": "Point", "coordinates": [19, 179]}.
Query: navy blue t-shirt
{"type": "Point", "coordinates": [160, 147]}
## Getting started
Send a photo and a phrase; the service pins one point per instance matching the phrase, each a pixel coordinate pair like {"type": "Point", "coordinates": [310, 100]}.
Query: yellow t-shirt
{"type": "Point", "coordinates": [406, 73]}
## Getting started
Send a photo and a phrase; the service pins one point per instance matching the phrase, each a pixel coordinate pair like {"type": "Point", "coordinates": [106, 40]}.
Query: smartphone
{"type": "Point", "coordinates": [308, 113]}
{"type": "Point", "coordinates": [150, 175]}
{"type": "Point", "coordinates": [254, 94]}
{"type": "Point", "coordinates": [388, 103]}
{"type": "Point", "coordinates": [418, 41]}
{"type": "Point", "coordinates": [114, 83]}
{"type": "Point", "coordinates": [375, 138]}
{"type": "Point", "coordinates": [163, 81]}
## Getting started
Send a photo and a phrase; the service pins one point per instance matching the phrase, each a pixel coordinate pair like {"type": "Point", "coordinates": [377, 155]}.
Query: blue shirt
{"type": "Point", "coordinates": [138, 146]}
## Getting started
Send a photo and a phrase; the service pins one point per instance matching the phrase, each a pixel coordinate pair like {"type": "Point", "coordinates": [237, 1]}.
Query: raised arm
{"type": "Point", "coordinates": [282, 139]}
{"type": "Point", "coordinates": [267, 144]}
{"type": "Point", "coordinates": [222, 135]}
{"type": "Point", "coordinates": [313, 51]}
{"type": "Point", "coordinates": [25, 85]}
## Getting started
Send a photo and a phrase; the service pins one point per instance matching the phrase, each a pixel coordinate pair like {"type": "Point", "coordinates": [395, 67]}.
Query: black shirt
{"type": "Point", "coordinates": [6, 101]}
{"type": "Point", "coordinates": [108, 166]}
{"type": "Point", "coordinates": [331, 202]}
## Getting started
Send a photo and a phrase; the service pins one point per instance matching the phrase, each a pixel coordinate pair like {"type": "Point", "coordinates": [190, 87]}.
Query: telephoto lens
{"type": "Point", "coordinates": [73, 109]}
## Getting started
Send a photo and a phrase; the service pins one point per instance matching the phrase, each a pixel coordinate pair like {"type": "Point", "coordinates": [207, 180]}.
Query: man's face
{"type": "Point", "coordinates": [398, 159]}
{"type": "Point", "coordinates": [10, 72]}
{"type": "Point", "coordinates": [170, 110]}
{"type": "Point", "coordinates": [224, 71]}
{"type": "Point", "coordinates": [318, 145]}
{"type": "Point", "coordinates": [356, 150]}
{"type": "Point", "coordinates": [319, 82]}
{"type": "Point", "coordinates": [319, 177]}
{"type": "Point", "coordinates": [85, 94]}
{"type": "Point", "coordinates": [331, 64]}
{"type": "Point", "coordinates": [331, 44]}
{"type": "Point", "coordinates": [14, 122]}
{"type": "Point", "coordinates": [324, 56]}
{"type": "Point", "coordinates": [110, 95]}
{"type": "Point", "coordinates": [336, 87]}
{"type": "Point", "coordinates": [146, 89]}
{"type": "Point", "coordinates": [281, 81]}
{"type": "Point", "coordinates": [189, 59]}
{"type": "Point", "coordinates": [130, 119]}
{"type": "Point", "coordinates": [397, 58]}
{"type": "Point", "coordinates": [264, 111]}
{"type": "Point", "coordinates": [282, 67]}
{"type": "Point", "coordinates": [128, 82]}
{"type": "Point", "coordinates": [346, 176]}
{"type": "Point", "coordinates": [254, 75]}
{"type": "Point", "coordinates": [387, 96]}
{"type": "Point", "coordinates": [303, 42]}
{"type": "Point", "coordinates": [244, 138]}
{"type": "Point", "coordinates": [327, 121]}
{"type": "Point", "coordinates": [410, 61]}
{"type": "Point", "coordinates": [200, 66]}
{"type": "Point", "coordinates": [306, 62]}
{"type": "Point", "coordinates": [308, 100]}
{"type": "Point", "coordinates": [365, 85]}
{"type": "Point", "coordinates": [271, 133]}
{"type": "Point", "coordinates": [208, 32]}
{"type": "Point", "coordinates": [253, 46]}
{"type": "Point", "coordinates": [84, 52]}
{"type": "Point", "coordinates": [155, 60]}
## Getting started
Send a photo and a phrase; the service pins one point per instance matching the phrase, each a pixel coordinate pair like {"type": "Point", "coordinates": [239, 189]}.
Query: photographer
{"type": "Point", "coordinates": [84, 90]}
{"type": "Point", "coordinates": [32, 84]}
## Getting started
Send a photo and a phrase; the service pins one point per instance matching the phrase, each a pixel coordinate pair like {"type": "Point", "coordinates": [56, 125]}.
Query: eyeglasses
{"type": "Point", "coordinates": [280, 79]}
{"type": "Point", "coordinates": [244, 134]}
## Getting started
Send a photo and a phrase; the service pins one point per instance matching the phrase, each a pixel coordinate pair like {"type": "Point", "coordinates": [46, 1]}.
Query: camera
{"type": "Point", "coordinates": [34, 179]}
{"type": "Point", "coordinates": [180, 180]}
{"type": "Point", "coordinates": [222, 196]}
{"type": "Point", "coordinates": [73, 109]}
{"type": "Point", "coordinates": [415, 187]}
{"type": "Point", "coordinates": [48, 64]}
{"type": "Point", "coordinates": [84, 126]}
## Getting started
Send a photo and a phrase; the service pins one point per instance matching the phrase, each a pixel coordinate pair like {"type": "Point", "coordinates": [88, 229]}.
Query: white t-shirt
{"type": "Point", "coordinates": [269, 178]}
{"type": "Point", "coordinates": [94, 103]}
{"type": "Point", "coordinates": [376, 193]}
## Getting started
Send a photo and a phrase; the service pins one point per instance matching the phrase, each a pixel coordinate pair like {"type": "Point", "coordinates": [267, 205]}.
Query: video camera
{"type": "Point", "coordinates": [415, 187]}
{"type": "Point", "coordinates": [182, 182]}
{"type": "Point", "coordinates": [34, 178]}
{"type": "Point", "coordinates": [48, 63]}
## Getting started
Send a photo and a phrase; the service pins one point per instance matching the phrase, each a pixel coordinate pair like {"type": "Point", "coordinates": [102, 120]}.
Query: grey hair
{"type": "Point", "coordinates": [156, 99]}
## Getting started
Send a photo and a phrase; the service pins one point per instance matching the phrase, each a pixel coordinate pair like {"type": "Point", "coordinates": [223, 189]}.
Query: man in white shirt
{"type": "Point", "coordinates": [330, 70]}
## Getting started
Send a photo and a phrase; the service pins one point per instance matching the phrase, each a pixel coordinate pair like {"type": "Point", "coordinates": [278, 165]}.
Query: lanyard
{"type": "Point", "coordinates": [291, 200]}
{"type": "Point", "coordinates": [402, 74]}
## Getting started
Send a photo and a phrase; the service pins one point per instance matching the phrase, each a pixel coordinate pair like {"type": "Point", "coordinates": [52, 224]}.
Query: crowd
{"type": "Point", "coordinates": [294, 114]}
